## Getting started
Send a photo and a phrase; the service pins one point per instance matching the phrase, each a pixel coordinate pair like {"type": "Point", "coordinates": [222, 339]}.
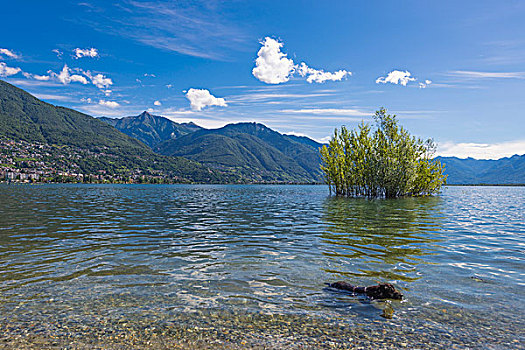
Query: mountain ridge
{"type": "Point", "coordinates": [505, 171]}
{"type": "Point", "coordinates": [96, 146]}
{"type": "Point", "coordinates": [245, 152]}
{"type": "Point", "coordinates": [251, 149]}
{"type": "Point", "coordinates": [151, 129]}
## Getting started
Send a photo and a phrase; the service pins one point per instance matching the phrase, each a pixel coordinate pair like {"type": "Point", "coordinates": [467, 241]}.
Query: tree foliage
{"type": "Point", "coordinates": [384, 162]}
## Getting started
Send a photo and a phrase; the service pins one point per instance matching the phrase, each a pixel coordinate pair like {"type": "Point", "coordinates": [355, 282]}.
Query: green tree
{"type": "Point", "coordinates": [386, 162]}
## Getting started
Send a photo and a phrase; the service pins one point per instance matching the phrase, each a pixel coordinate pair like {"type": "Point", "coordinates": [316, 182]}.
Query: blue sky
{"type": "Point", "coordinates": [451, 70]}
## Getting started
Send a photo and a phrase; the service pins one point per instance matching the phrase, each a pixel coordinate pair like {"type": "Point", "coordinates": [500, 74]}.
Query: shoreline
{"type": "Point", "coordinates": [228, 183]}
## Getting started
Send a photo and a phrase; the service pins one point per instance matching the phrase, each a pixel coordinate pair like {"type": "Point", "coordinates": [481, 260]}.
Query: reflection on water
{"type": "Point", "coordinates": [212, 266]}
{"type": "Point", "coordinates": [382, 239]}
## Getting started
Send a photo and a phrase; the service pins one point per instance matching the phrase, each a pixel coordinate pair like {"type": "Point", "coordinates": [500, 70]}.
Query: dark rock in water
{"type": "Point", "coordinates": [380, 291]}
{"type": "Point", "coordinates": [480, 279]}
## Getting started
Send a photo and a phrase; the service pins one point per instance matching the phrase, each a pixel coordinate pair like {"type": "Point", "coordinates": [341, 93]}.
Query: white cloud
{"type": "Point", "coordinates": [9, 53]}
{"type": "Point", "coordinates": [320, 76]}
{"type": "Point", "coordinates": [99, 80]}
{"type": "Point", "coordinates": [396, 77]}
{"type": "Point", "coordinates": [171, 112]}
{"type": "Point", "coordinates": [486, 75]}
{"type": "Point", "coordinates": [481, 150]}
{"type": "Point", "coordinates": [91, 52]}
{"type": "Point", "coordinates": [36, 76]}
{"type": "Point", "coordinates": [58, 53]}
{"type": "Point", "coordinates": [96, 109]}
{"type": "Point", "coordinates": [65, 76]}
{"type": "Point", "coordinates": [110, 104]}
{"type": "Point", "coordinates": [262, 97]}
{"type": "Point", "coordinates": [272, 66]}
{"type": "Point", "coordinates": [87, 100]}
{"type": "Point", "coordinates": [329, 111]}
{"type": "Point", "coordinates": [157, 103]}
{"type": "Point", "coordinates": [195, 28]}
{"type": "Point", "coordinates": [294, 133]}
{"type": "Point", "coordinates": [425, 84]}
{"type": "Point", "coordinates": [325, 139]}
{"type": "Point", "coordinates": [30, 83]}
{"type": "Point", "coordinates": [200, 98]}
{"type": "Point", "coordinates": [6, 71]}
{"type": "Point", "coordinates": [41, 77]}
{"type": "Point", "coordinates": [150, 75]}
{"type": "Point", "coordinates": [54, 97]}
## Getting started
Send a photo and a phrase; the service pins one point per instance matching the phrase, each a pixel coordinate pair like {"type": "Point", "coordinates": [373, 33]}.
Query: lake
{"type": "Point", "coordinates": [245, 266]}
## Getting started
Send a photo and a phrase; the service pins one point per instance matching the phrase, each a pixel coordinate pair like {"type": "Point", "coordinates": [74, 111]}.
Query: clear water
{"type": "Point", "coordinates": [246, 266]}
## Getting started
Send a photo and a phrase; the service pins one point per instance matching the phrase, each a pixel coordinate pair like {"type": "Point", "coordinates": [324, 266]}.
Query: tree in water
{"type": "Point", "coordinates": [386, 162]}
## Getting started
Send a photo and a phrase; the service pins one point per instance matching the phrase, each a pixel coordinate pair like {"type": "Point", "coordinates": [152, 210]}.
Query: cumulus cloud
{"type": "Point", "coordinates": [87, 100]}
{"type": "Point", "coordinates": [6, 71]}
{"type": "Point", "coordinates": [396, 77]}
{"type": "Point", "coordinates": [68, 75]}
{"type": "Point", "coordinates": [9, 53]}
{"type": "Point", "coordinates": [320, 76]}
{"type": "Point", "coordinates": [272, 66]}
{"type": "Point", "coordinates": [425, 84]}
{"type": "Point", "coordinates": [200, 98]}
{"type": "Point", "coordinates": [91, 52]}
{"type": "Point", "coordinates": [157, 103]}
{"type": "Point", "coordinates": [110, 104]}
{"type": "Point", "coordinates": [36, 76]}
{"type": "Point", "coordinates": [99, 80]}
{"type": "Point", "coordinates": [65, 76]}
{"type": "Point", "coordinates": [481, 150]}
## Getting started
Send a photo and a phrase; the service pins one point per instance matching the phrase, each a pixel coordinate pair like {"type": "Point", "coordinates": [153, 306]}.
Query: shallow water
{"type": "Point", "coordinates": [116, 266]}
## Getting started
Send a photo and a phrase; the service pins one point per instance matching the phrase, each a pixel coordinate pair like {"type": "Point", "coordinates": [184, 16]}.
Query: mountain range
{"type": "Point", "coordinates": [105, 149]}
{"type": "Point", "coordinates": [251, 151]}
{"type": "Point", "coordinates": [242, 152]}
{"type": "Point", "coordinates": [258, 153]}
{"type": "Point", "coordinates": [509, 170]}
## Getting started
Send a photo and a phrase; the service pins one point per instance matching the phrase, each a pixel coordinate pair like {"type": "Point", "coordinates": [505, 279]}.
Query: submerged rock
{"type": "Point", "coordinates": [380, 291]}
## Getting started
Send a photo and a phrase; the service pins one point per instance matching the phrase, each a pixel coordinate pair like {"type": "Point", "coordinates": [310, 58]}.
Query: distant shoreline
{"type": "Point", "coordinates": [496, 185]}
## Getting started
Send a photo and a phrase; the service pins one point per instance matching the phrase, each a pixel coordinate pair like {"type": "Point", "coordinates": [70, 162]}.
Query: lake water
{"type": "Point", "coordinates": [120, 266]}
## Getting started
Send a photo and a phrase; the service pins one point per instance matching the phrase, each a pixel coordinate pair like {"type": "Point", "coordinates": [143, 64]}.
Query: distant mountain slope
{"type": "Point", "coordinates": [473, 171]}
{"type": "Point", "coordinates": [151, 129]}
{"type": "Point", "coordinates": [252, 150]}
{"type": "Point", "coordinates": [24, 117]}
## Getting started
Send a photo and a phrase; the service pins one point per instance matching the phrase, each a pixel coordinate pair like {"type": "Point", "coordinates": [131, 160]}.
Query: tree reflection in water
{"type": "Point", "coordinates": [369, 241]}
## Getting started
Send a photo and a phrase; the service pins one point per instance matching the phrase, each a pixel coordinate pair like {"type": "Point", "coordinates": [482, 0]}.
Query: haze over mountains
{"type": "Point", "coordinates": [242, 152]}
{"type": "Point", "coordinates": [509, 170]}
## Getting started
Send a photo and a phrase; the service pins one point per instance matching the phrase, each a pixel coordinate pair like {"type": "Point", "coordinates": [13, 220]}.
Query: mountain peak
{"type": "Point", "coordinates": [152, 129]}
{"type": "Point", "coordinates": [145, 114]}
